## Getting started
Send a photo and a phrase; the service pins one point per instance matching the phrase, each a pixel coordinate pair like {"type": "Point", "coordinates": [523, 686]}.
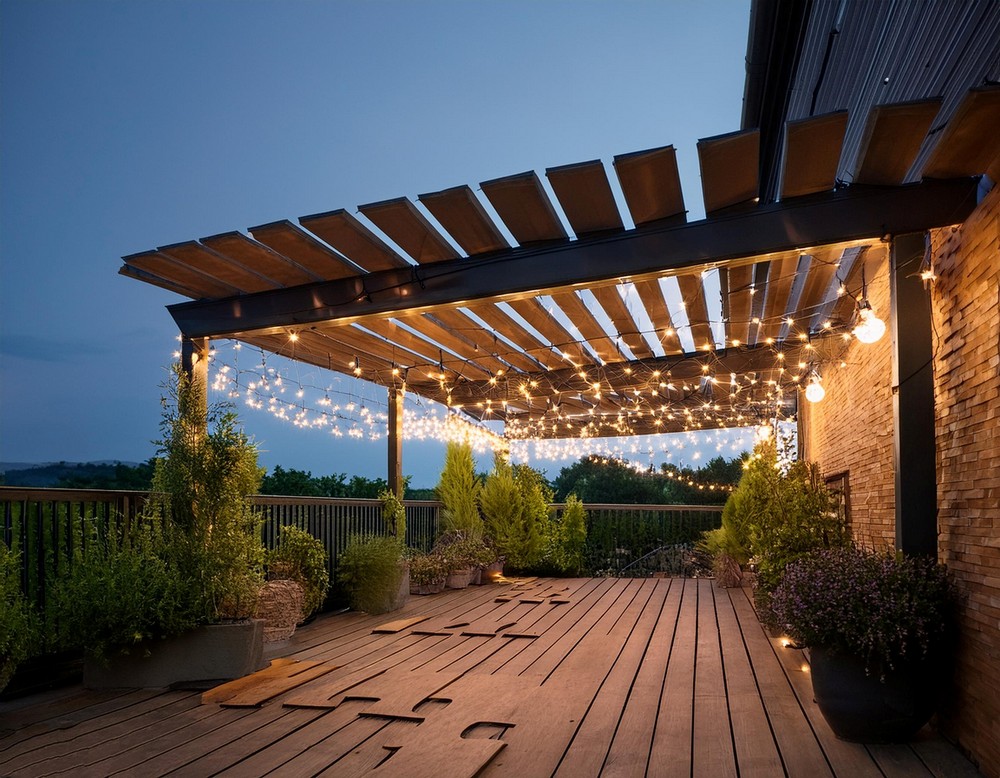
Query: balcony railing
{"type": "Point", "coordinates": [48, 527]}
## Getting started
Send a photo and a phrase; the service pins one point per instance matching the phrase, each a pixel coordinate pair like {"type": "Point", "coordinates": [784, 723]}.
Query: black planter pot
{"type": "Point", "coordinates": [863, 708]}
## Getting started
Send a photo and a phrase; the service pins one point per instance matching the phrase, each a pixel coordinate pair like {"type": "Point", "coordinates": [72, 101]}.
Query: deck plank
{"type": "Point", "coordinates": [713, 753]}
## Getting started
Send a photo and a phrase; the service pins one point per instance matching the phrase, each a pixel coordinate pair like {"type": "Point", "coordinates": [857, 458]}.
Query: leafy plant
{"type": "Point", "coordinates": [536, 495]}
{"type": "Point", "coordinates": [881, 608]}
{"type": "Point", "coordinates": [302, 558]}
{"type": "Point", "coordinates": [371, 570]}
{"type": "Point", "coordinates": [428, 569]}
{"type": "Point", "coordinates": [393, 514]}
{"type": "Point", "coordinates": [124, 589]}
{"type": "Point", "coordinates": [571, 538]}
{"type": "Point", "coordinates": [18, 622]}
{"type": "Point", "coordinates": [502, 507]}
{"type": "Point", "coordinates": [458, 490]}
{"type": "Point", "coordinates": [201, 484]}
{"type": "Point", "coordinates": [461, 551]}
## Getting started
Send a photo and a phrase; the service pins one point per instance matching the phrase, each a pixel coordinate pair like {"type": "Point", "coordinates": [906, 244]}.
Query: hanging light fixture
{"type": "Point", "coordinates": [814, 390]}
{"type": "Point", "coordinates": [870, 327]}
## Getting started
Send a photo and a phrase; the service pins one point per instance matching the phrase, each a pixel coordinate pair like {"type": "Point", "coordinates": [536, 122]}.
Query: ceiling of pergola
{"type": "Point", "coordinates": [597, 319]}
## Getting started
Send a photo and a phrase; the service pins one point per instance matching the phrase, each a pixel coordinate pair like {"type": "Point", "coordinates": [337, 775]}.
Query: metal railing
{"type": "Point", "coordinates": [48, 527]}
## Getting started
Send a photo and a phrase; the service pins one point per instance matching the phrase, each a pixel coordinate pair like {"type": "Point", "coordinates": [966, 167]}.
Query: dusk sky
{"type": "Point", "coordinates": [130, 125]}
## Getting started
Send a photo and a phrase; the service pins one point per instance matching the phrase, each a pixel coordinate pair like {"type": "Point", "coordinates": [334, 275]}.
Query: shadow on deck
{"type": "Point", "coordinates": [568, 677]}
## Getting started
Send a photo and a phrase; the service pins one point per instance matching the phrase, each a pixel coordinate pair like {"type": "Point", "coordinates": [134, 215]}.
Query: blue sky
{"type": "Point", "coordinates": [130, 125]}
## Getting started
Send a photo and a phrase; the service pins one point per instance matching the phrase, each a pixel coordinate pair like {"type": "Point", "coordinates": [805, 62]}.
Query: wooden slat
{"type": "Point", "coordinates": [651, 185]}
{"type": "Point", "coordinates": [548, 326]}
{"type": "Point", "coordinates": [458, 343]}
{"type": "Point", "coordinates": [891, 141]}
{"type": "Point", "coordinates": [495, 317]}
{"type": "Point", "coordinates": [223, 269]}
{"type": "Point", "coordinates": [712, 756]}
{"type": "Point", "coordinates": [459, 211]}
{"type": "Point", "coordinates": [525, 208]}
{"type": "Point", "coordinates": [656, 309]}
{"type": "Point", "coordinates": [174, 272]}
{"type": "Point", "coordinates": [301, 247]}
{"type": "Point", "coordinates": [411, 350]}
{"type": "Point", "coordinates": [780, 278]}
{"type": "Point", "coordinates": [267, 687]}
{"type": "Point", "coordinates": [736, 302]}
{"type": "Point", "coordinates": [871, 261]}
{"type": "Point", "coordinates": [155, 280]}
{"type": "Point", "coordinates": [238, 247]}
{"type": "Point", "coordinates": [409, 229]}
{"type": "Point", "coordinates": [822, 270]}
{"type": "Point", "coordinates": [590, 329]}
{"type": "Point", "coordinates": [613, 304]}
{"type": "Point", "coordinates": [354, 240]}
{"type": "Point", "coordinates": [968, 145]}
{"type": "Point", "coordinates": [696, 307]}
{"type": "Point", "coordinates": [812, 154]}
{"type": "Point", "coordinates": [471, 330]}
{"type": "Point", "coordinates": [586, 198]}
{"type": "Point", "coordinates": [729, 169]}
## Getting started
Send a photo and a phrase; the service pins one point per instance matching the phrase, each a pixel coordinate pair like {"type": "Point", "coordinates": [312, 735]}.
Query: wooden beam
{"type": "Point", "coordinates": [395, 437]}
{"type": "Point", "coordinates": [855, 213]}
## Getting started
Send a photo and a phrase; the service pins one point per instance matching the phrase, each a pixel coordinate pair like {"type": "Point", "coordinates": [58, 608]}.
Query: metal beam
{"type": "Point", "coordinates": [913, 399]}
{"type": "Point", "coordinates": [850, 214]}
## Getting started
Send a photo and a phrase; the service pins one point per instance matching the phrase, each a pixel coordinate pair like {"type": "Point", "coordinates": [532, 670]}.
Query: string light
{"type": "Point", "coordinates": [870, 328]}
{"type": "Point", "coordinates": [814, 390]}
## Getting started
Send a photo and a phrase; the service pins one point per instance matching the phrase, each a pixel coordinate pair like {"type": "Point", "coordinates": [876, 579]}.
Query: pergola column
{"type": "Point", "coordinates": [194, 363]}
{"type": "Point", "coordinates": [913, 399]}
{"type": "Point", "coordinates": [395, 437]}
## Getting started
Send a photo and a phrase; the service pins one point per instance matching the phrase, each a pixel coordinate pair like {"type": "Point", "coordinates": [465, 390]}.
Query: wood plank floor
{"type": "Point", "coordinates": [567, 677]}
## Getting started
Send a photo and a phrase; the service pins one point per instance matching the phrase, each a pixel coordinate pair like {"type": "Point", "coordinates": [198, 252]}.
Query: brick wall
{"type": "Point", "coordinates": [851, 429]}
{"type": "Point", "coordinates": [966, 305]}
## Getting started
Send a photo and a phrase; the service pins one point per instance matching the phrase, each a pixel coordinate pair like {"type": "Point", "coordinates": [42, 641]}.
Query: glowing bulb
{"type": "Point", "coordinates": [815, 391]}
{"type": "Point", "coordinates": [870, 328]}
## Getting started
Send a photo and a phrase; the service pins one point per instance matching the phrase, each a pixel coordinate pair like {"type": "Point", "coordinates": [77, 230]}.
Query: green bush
{"type": "Point", "coordinates": [371, 571]}
{"type": "Point", "coordinates": [426, 569]}
{"type": "Point", "coordinates": [393, 514]}
{"type": "Point", "coordinates": [302, 558]}
{"type": "Point", "coordinates": [570, 538]}
{"type": "Point", "coordinates": [501, 504]}
{"type": "Point", "coordinates": [18, 622]}
{"type": "Point", "coordinates": [458, 491]}
{"type": "Point", "coordinates": [125, 588]}
{"type": "Point", "coordinates": [460, 551]}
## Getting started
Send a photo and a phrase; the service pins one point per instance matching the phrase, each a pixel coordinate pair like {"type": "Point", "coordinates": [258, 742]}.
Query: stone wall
{"type": "Point", "coordinates": [966, 305]}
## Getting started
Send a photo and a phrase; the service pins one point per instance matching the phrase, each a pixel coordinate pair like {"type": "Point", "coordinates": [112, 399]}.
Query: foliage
{"type": "Point", "coordinates": [371, 570]}
{"type": "Point", "coordinates": [600, 480]}
{"type": "Point", "coordinates": [427, 569]}
{"type": "Point", "coordinates": [780, 511]}
{"type": "Point", "coordinates": [83, 475]}
{"type": "Point", "coordinates": [536, 495]}
{"type": "Point", "coordinates": [460, 550]}
{"type": "Point", "coordinates": [202, 483]}
{"type": "Point", "coordinates": [302, 558]}
{"type": "Point", "coordinates": [393, 514]}
{"type": "Point", "coordinates": [570, 538]}
{"type": "Point", "coordinates": [18, 622]}
{"type": "Point", "coordinates": [302, 483]}
{"type": "Point", "coordinates": [123, 589]}
{"type": "Point", "coordinates": [501, 504]}
{"type": "Point", "coordinates": [458, 490]}
{"type": "Point", "coordinates": [882, 608]}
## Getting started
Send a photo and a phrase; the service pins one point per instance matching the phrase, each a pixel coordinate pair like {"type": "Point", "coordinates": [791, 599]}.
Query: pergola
{"type": "Point", "coordinates": [567, 329]}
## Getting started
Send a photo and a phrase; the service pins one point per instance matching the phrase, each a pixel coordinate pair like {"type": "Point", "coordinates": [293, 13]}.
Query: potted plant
{"type": "Point", "coordinates": [428, 573]}
{"type": "Point", "coordinates": [877, 627]}
{"type": "Point", "coordinates": [374, 573]}
{"type": "Point", "coordinates": [170, 596]}
{"type": "Point", "coordinates": [301, 558]}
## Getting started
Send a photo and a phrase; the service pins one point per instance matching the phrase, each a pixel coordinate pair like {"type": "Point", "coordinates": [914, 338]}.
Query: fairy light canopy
{"type": "Point", "coordinates": [610, 314]}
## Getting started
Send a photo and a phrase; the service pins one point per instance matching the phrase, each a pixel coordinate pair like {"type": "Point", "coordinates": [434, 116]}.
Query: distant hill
{"type": "Point", "coordinates": [102, 474]}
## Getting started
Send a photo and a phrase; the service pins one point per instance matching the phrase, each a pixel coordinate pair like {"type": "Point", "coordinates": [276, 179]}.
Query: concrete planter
{"type": "Point", "coordinates": [218, 652]}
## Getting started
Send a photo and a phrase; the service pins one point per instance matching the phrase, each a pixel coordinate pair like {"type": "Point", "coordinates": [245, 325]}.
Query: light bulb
{"type": "Point", "coordinates": [815, 391]}
{"type": "Point", "coordinates": [870, 327]}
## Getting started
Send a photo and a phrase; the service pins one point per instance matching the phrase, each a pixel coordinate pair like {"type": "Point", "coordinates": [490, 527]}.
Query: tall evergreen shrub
{"type": "Point", "coordinates": [458, 490]}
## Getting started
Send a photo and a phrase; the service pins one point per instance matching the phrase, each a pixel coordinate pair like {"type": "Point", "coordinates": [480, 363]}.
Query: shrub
{"type": "Point", "coordinates": [502, 508]}
{"type": "Point", "coordinates": [427, 569]}
{"type": "Point", "coordinates": [371, 570]}
{"type": "Point", "coordinates": [881, 608]}
{"type": "Point", "coordinates": [571, 538]}
{"type": "Point", "coordinates": [458, 491]}
{"type": "Point", "coordinates": [300, 557]}
{"type": "Point", "coordinates": [18, 622]}
{"type": "Point", "coordinates": [460, 551]}
{"type": "Point", "coordinates": [393, 514]}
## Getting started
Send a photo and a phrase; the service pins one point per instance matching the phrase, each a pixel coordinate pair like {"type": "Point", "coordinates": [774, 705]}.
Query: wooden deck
{"type": "Point", "coordinates": [570, 677]}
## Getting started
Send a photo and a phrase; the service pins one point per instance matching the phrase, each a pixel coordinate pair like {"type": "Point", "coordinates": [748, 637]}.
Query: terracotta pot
{"type": "Point", "coordinates": [863, 708]}
{"type": "Point", "coordinates": [459, 579]}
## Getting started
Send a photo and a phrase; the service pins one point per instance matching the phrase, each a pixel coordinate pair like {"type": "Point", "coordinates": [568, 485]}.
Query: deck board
{"type": "Point", "coordinates": [623, 677]}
